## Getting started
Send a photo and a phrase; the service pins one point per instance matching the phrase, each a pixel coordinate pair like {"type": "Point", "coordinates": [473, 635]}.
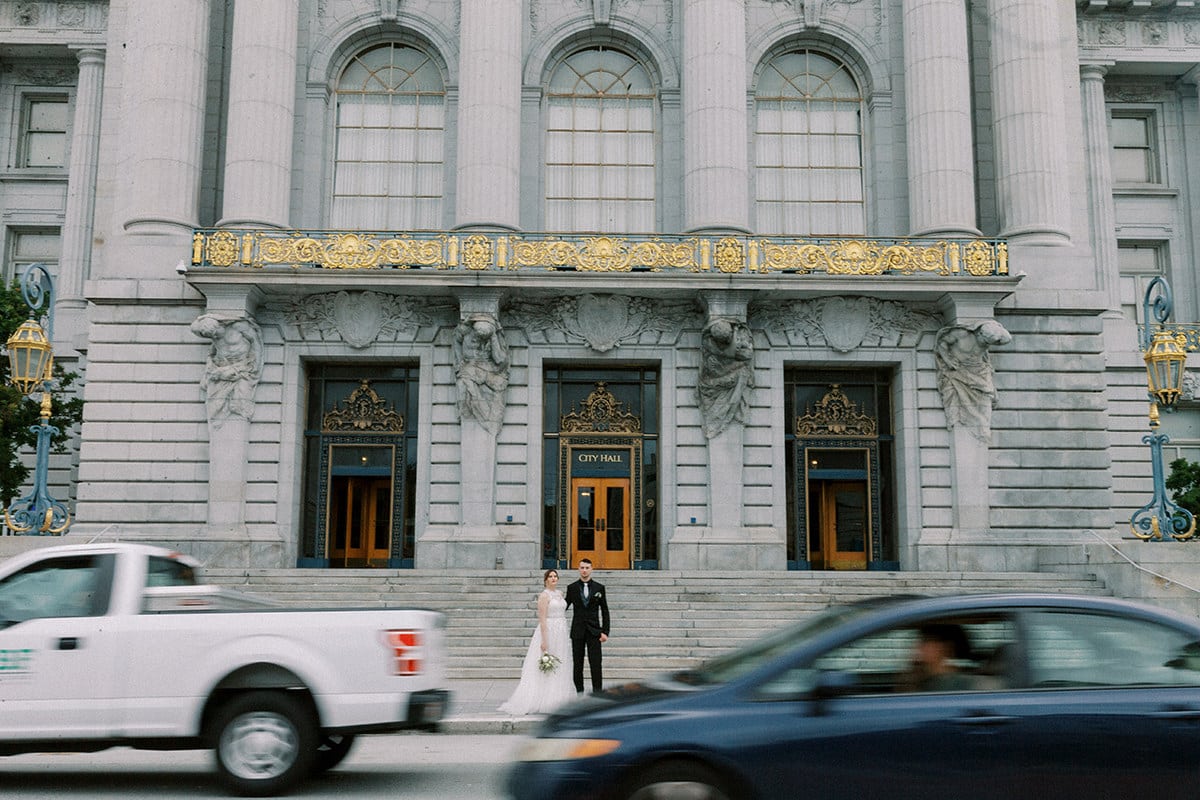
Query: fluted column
{"type": "Point", "coordinates": [164, 75]}
{"type": "Point", "coordinates": [1028, 119]}
{"type": "Point", "coordinates": [941, 160]}
{"type": "Point", "coordinates": [489, 115]}
{"type": "Point", "coordinates": [262, 101]}
{"type": "Point", "coordinates": [715, 153]}
{"type": "Point", "coordinates": [75, 258]}
{"type": "Point", "coordinates": [1100, 180]}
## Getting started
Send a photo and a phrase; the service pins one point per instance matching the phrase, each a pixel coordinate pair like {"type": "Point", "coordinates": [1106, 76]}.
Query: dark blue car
{"type": "Point", "coordinates": [984, 697]}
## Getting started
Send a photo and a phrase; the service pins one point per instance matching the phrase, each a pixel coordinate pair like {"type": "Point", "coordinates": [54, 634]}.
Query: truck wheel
{"type": "Point", "coordinates": [332, 748]}
{"type": "Point", "coordinates": [265, 743]}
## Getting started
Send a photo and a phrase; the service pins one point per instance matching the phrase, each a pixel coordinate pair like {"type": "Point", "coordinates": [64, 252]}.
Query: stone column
{"type": "Point", "coordinates": [262, 101]}
{"type": "Point", "coordinates": [165, 80]}
{"type": "Point", "coordinates": [1100, 181]}
{"type": "Point", "coordinates": [715, 156]}
{"type": "Point", "coordinates": [1027, 115]}
{"type": "Point", "coordinates": [489, 115]}
{"type": "Point", "coordinates": [75, 259]}
{"type": "Point", "coordinates": [232, 370]}
{"type": "Point", "coordinates": [966, 384]}
{"type": "Point", "coordinates": [941, 160]}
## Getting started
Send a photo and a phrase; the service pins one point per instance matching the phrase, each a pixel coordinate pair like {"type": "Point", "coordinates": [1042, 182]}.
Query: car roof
{"type": "Point", "coordinates": [951, 603]}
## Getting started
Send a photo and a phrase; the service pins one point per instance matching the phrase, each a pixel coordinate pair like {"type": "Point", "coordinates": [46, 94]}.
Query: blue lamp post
{"type": "Point", "coordinates": [31, 358]}
{"type": "Point", "coordinates": [1165, 360]}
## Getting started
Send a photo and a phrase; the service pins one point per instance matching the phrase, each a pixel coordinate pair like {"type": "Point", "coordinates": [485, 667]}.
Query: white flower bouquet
{"type": "Point", "coordinates": [548, 662]}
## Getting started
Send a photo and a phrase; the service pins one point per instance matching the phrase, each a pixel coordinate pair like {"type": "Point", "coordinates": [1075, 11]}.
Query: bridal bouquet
{"type": "Point", "coordinates": [548, 663]}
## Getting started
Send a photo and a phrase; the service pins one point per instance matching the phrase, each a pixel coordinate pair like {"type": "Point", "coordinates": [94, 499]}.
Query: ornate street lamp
{"type": "Point", "coordinates": [31, 359]}
{"type": "Point", "coordinates": [1165, 359]}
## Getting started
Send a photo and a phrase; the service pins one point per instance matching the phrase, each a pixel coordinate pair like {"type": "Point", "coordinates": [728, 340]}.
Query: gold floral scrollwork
{"type": "Point", "coordinates": [404, 253]}
{"type": "Point", "coordinates": [364, 411]}
{"type": "Point", "coordinates": [731, 256]}
{"type": "Point", "coordinates": [604, 254]}
{"type": "Point", "coordinates": [222, 249]}
{"type": "Point", "coordinates": [836, 415]}
{"type": "Point", "coordinates": [477, 252]}
{"type": "Point", "coordinates": [854, 257]}
{"type": "Point", "coordinates": [351, 251]}
{"type": "Point", "coordinates": [600, 412]}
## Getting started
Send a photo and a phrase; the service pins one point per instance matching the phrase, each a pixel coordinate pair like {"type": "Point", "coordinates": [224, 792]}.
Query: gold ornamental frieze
{"type": "Point", "coordinates": [508, 252]}
{"type": "Point", "coordinates": [601, 412]}
{"type": "Point", "coordinates": [363, 411]}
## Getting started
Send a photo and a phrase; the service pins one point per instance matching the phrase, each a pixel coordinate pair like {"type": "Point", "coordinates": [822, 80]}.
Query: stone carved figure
{"type": "Point", "coordinates": [726, 374]}
{"type": "Point", "coordinates": [965, 375]}
{"type": "Point", "coordinates": [481, 368]}
{"type": "Point", "coordinates": [234, 366]}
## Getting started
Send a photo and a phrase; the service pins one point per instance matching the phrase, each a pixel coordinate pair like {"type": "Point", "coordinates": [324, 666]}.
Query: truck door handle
{"type": "Point", "coordinates": [982, 719]}
{"type": "Point", "coordinates": [69, 643]}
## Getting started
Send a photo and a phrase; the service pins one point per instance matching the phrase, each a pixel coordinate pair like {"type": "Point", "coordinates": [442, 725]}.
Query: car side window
{"type": "Point", "coordinates": [935, 655]}
{"type": "Point", "coordinates": [1073, 649]}
{"type": "Point", "coordinates": [72, 586]}
{"type": "Point", "coordinates": [162, 571]}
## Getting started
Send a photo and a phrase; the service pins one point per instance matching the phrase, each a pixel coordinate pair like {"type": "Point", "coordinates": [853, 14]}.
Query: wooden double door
{"type": "Point", "coordinates": [360, 521]}
{"type": "Point", "coordinates": [600, 522]}
{"type": "Point", "coordinates": [839, 524]}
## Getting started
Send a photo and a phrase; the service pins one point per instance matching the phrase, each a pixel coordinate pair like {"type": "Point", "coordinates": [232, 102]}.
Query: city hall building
{"type": "Point", "coordinates": [674, 284]}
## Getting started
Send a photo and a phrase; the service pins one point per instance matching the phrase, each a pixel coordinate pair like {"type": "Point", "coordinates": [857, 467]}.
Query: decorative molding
{"type": "Point", "coordinates": [361, 318]}
{"type": "Point", "coordinates": [363, 411]}
{"type": "Point", "coordinates": [843, 323]}
{"type": "Point", "coordinates": [603, 321]}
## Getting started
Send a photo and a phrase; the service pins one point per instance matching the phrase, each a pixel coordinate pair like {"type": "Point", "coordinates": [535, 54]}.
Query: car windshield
{"type": "Point", "coordinates": [733, 665]}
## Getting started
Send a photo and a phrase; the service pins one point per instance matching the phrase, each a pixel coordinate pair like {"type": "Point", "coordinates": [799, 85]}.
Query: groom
{"type": "Point", "coordinates": [589, 624]}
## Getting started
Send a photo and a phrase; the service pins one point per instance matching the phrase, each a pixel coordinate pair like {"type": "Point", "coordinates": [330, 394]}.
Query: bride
{"type": "Point", "coordinates": [541, 691]}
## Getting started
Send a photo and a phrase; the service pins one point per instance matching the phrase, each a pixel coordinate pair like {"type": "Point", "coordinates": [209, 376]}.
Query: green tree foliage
{"type": "Point", "coordinates": [18, 414]}
{"type": "Point", "coordinates": [1184, 483]}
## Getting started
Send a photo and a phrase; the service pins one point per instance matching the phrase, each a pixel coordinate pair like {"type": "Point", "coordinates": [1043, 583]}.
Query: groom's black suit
{"type": "Point", "coordinates": [589, 619]}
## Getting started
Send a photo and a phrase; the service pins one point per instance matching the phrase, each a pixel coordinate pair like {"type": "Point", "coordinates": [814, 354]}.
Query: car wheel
{"type": "Point", "coordinates": [332, 749]}
{"type": "Point", "coordinates": [265, 743]}
{"type": "Point", "coordinates": [678, 780]}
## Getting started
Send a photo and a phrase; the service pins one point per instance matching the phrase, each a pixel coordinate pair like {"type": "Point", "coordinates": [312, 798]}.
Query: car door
{"type": "Point", "coordinates": [1112, 706]}
{"type": "Point", "coordinates": [56, 666]}
{"type": "Point", "coordinates": [858, 727]}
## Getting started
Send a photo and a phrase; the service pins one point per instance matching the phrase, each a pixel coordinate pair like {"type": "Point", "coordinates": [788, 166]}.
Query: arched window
{"type": "Point", "coordinates": [600, 144]}
{"type": "Point", "coordinates": [388, 171]}
{"type": "Point", "coordinates": [808, 148]}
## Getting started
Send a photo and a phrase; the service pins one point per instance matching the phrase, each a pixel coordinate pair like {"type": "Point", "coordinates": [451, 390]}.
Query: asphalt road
{"type": "Point", "coordinates": [397, 767]}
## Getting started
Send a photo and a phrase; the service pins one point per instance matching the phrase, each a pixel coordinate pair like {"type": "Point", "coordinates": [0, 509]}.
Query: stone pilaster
{"type": "Point", "coordinates": [489, 115]}
{"type": "Point", "coordinates": [165, 75]}
{"type": "Point", "coordinates": [75, 259]}
{"type": "Point", "coordinates": [1100, 181]}
{"type": "Point", "coordinates": [941, 162]}
{"type": "Point", "coordinates": [1027, 114]}
{"type": "Point", "coordinates": [715, 157]}
{"type": "Point", "coordinates": [262, 99]}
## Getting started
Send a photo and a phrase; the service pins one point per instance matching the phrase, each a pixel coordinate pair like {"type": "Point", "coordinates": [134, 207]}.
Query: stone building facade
{"type": "Point", "coordinates": [687, 284]}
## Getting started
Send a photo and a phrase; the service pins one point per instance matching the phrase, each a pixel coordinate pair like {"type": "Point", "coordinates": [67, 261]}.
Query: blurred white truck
{"type": "Point", "coordinates": [120, 645]}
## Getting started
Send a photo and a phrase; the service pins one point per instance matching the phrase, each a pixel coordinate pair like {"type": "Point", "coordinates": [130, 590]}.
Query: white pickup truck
{"type": "Point", "coordinates": [120, 645]}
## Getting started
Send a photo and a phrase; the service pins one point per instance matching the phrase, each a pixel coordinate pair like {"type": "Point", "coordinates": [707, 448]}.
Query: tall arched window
{"type": "Point", "coordinates": [808, 148]}
{"type": "Point", "coordinates": [388, 170]}
{"type": "Point", "coordinates": [600, 144]}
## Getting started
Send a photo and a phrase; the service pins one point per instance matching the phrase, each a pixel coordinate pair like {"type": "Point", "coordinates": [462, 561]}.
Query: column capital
{"type": "Point", "coordinates": [1095, 70]}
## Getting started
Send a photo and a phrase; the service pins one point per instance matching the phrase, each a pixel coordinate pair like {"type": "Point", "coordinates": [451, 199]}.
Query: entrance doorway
{"type": "Point", "coordinates": [839, 520]}
{"type": "Point", "coordinates": [600, 522]}
{"type": "Point", "coordinates": [360, 521]}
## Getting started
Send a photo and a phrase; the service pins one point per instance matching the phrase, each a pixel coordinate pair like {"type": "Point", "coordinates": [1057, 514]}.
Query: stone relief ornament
{"type": "Point", "coordinates": [965, 374]}
{"type": "Point", "coordinates": [481, 365]}
{"type": "Point", "coordinates": [726, 374]}
{"type": "Point", "coordinates": [233, 368]}
{"type": "Point", "coordinates": [603, 321]}
{"type": "Point", "coordinates": [360, 318]}
{"type": "Point", "coordinates": [844, 323]}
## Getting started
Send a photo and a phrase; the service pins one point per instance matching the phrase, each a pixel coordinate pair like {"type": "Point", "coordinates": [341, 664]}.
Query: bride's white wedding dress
{"type": "Point", "coordinates": [541, 692]}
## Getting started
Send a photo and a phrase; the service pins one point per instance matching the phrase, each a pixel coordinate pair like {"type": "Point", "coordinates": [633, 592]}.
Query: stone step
{"type": "Point", "coordinates": [662, 620]}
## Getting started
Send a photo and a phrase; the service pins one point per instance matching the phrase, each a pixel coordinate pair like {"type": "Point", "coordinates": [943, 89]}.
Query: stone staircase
{"type": "Point", "coordinates": [662, 620]}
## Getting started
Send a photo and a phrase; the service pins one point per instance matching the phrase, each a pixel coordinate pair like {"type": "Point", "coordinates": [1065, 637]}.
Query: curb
{"type": "Point", "coordinates": [494, 725]}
